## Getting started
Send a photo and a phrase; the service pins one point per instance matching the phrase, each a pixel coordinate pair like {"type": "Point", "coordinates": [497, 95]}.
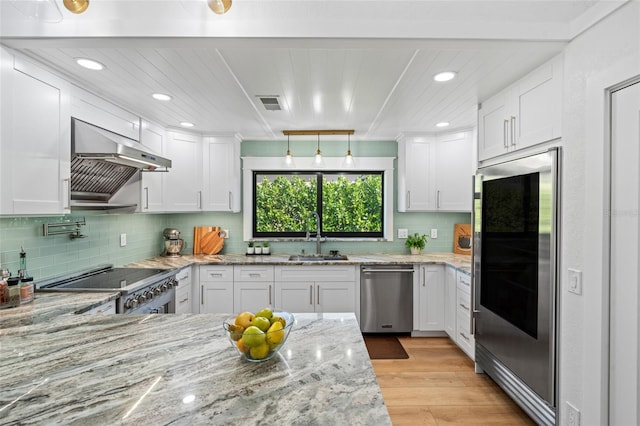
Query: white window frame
{"type": "Point", "coordinates": [263, 164]}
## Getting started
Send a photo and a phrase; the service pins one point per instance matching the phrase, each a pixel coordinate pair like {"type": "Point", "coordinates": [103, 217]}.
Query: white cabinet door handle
{"type": "Point", "coordinates": [311, 295]}
{"type": "Point", "coordinates": [505, 133]}
{"type": "Point", "coordinates": [513, 131]}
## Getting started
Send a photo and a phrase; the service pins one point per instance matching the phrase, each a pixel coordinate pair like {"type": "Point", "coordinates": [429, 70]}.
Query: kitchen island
{"type": "Point", "coordinates": [181, 369]}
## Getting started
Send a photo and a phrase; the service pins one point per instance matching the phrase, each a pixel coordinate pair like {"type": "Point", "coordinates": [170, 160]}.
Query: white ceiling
{"type": "Point", "coordinates": [363, 65]}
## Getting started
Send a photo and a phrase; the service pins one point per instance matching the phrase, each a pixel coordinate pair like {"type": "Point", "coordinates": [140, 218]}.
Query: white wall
{"type": "Point", "coordinates": [601, 57]}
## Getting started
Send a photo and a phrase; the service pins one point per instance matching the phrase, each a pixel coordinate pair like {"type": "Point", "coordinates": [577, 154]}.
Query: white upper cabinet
{"type": "Point", "coordinates": [35, 145]}
{"type": "Point", "coordinates": [95, 110]}
{"type": "Point", "coordinates": [221, 167]}
{"type": "Point", "coordinates": [454, 171]}
{"type": "Point", "coordinates": [183, 183]}
{"type": "Point", "coordinates": [526, 113]}
{"type": "Point", "coordinates": [153, 193]}
{"type": "Point", "coordinates": [434, 172]}
{"type": "Point", "coordinates": [416, 165]}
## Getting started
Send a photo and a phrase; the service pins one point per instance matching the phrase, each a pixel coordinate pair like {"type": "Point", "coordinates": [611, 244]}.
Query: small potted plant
{"type": "Point", "coordinates": [258, 248]}
{"type": "Point", "coordinates": [250, 248]}
{"type": "Point", "coordinates": [265, 247]}
{"type": "Point", "coordinates": [416, 242]}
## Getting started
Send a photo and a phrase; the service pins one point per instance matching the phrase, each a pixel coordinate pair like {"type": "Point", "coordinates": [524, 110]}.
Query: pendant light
{"type": "Point", "coordinates": [76, 6]}
{"type": "Point", "coordinates": [288, 158]}
{"type": "Point", "coordinates": [219, 7]}
{"type": "Point", "coordinates": [348, 159]}
{"type": "Point", "coordinates": [317, 159]}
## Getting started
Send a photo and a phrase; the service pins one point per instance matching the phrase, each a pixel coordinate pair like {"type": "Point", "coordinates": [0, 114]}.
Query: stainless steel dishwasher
{"type": "Point", "coordinates": [386, 298]}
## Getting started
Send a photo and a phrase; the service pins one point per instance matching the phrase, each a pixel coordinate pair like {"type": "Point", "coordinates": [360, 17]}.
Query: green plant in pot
{"type": "Point", "coordinates": [416, 242]}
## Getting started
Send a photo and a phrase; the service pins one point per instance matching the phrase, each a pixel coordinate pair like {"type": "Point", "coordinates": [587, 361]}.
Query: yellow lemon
{"type": "Point", "coordinates": [275, 334]}
{"type": "Point", "coordinates": [242, 347]}
{"type": "Point", "coordinates": [259, 352]}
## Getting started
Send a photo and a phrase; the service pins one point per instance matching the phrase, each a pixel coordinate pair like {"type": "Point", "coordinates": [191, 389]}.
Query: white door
{"type": "Point", "coordinates": [216, 297]}
{"type": "Point", "coordinates": [625, 256]}
{"type": "Point", "coordinates": [335, 297]}
{"type": "Point", "coordinates": [295, 296]}
{"type": "Point", "coordinates": [252, 296]}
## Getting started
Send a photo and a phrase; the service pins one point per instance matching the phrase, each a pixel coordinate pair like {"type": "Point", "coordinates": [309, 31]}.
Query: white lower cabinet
{"type": "Point", "coordinates": [315, 288]}
{"type": "Point", "coordinates": [184, 299]}
{"type": "Point", "coordinates": [450, 310]}
{"type": "Point", "coordinates": [431, 298]}
{"type": "Point", "coordinates": [464, 337]}
{"type": "Point", "coordinates": [216, 289]}
{"type": "Point", "coordinates": [252, 288]}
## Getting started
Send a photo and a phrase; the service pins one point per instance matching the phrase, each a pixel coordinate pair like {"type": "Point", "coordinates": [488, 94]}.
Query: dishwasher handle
{"type": "Point", "coordinates": [365, 270]}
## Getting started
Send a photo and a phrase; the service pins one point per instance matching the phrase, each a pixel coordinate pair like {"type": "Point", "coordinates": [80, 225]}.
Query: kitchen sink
{"type": "Point", "coordinates": [317, 257]}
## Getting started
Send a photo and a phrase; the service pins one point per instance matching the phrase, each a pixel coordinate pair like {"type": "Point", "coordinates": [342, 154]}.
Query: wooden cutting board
{"type": "Point", "coordinates": [207, 239]}
{"type": "Point", "coordinates": [462, 238]}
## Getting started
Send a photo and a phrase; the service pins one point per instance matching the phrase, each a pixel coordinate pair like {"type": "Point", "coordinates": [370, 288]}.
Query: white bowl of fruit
{"type": "Point", "coordinates": [258, 336]}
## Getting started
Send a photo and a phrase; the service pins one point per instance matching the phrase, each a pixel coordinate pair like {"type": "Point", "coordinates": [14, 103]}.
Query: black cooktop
{"type": "Point", "coordinates": [108, 279]}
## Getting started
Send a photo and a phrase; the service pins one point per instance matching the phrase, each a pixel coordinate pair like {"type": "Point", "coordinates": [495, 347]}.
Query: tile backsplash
{"type": "Point", "coordinates": [58, 254]}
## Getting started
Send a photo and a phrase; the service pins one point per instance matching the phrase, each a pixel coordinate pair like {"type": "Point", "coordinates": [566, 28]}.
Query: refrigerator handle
{"type": "Point", "coordinates": [473, 311]}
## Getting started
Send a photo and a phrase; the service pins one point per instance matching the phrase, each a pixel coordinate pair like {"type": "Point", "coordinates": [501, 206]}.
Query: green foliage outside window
{"type": "Point", "coordinates": [351, 204]}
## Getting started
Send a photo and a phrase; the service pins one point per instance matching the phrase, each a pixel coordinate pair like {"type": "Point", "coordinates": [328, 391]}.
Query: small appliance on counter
{"type": "Point", "coordinates": [172, 242]}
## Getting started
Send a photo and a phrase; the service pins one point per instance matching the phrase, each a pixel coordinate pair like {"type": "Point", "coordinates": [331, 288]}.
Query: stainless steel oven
{"type": "Point", "coordinates": [516, 218]}
{"type": "Point", "coordinates": [142, 290]}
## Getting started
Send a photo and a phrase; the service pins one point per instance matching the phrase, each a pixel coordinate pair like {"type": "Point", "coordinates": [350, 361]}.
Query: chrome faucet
{"type": "Point", "coordinates": [318, 236]}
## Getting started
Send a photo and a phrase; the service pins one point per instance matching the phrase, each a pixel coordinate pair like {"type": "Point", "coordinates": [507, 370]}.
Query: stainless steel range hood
{"type": "Point", "coordinates": [106, 166]}
{"type": "Point", "coordinates": [94, 143]}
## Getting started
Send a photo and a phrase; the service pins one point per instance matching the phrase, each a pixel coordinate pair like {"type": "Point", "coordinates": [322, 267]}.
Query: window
{"type": "Point", "coordinates": [349, 204]}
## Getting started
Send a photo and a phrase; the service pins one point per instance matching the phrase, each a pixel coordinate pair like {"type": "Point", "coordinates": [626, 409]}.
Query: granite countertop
{"type": "Point", "coordinates": [181, 369]}
{"type": "Point", "coordinates": [46, 307]}
{"type": "Point", "coordinates": [462, 262]}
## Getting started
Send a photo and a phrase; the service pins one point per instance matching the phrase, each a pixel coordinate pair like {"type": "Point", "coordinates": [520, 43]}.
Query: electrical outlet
{"type": "Point", "coordinates": [403, 233]}
{"type": "Point", "coordinates": [573, 415]}
{"type": "Point", "coordinates": [123, 240]}
{"type": "Point", "coordinates": [434, 233]}
{"type": "Point", "coordinates": [575, 281]}
{"type": "Point", "coordinates": [226, 233]}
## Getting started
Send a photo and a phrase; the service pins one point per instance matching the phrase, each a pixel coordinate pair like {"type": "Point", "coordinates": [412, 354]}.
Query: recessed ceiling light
{"type": "Point", "coordinates": [442, 124]}
{"type": "Point", "coordinates": [186, 124]}
{"type": "Point", "coordinates": [444, 76]}
{"type": "Point", "coordinates": [161, 97]}
{"type": "Point", "coordinates": [90, 64]}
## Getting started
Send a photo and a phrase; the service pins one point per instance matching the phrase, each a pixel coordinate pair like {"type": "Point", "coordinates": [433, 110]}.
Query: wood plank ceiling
{"type": "Point", "coordinates": [380, 87]}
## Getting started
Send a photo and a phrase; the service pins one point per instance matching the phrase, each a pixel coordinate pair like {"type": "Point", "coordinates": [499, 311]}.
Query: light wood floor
{"type": "Point", "coordinates": [438, 386]}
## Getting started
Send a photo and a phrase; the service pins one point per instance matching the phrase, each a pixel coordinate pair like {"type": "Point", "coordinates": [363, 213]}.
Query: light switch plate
{"type": "Point", "coordinates": [403, 233]}
{"type": "Point", "coordinates": [226, 233]}
{"type": "Point", "coordinates": [575, 281]}
{"type": "Point", "coordinates": [434, 233]}
{"type": "Point", "coordinates": [123, 240]}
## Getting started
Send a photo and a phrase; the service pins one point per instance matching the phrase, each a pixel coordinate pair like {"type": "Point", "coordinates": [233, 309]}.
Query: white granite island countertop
{"type": "Point", "coordinates": [181, 369]}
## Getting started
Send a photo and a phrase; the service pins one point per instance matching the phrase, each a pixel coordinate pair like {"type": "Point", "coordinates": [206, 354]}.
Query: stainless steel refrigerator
{"type": "Point", "coordinates": [516, 246]}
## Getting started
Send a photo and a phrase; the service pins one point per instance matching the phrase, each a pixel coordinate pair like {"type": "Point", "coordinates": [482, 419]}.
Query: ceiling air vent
{"type": "Point", "coordinates": [270, 103]}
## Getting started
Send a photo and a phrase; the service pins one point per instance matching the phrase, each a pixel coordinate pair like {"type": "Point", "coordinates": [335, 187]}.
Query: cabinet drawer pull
{"type": "Point", "coordinates": [68, 200]}
{"type": "Point", "coordinates": [505, 133]}
{"type": "Point", "coordinates": [465, 307]}
{"type": "Point", "coordinates": [311, 295]}
{"type": "Point", "coordinates": [254, 275]}
{"type": "Point", "coordinates": [215, 274]}
{"type": "Point", "coordinates": [464, 336]}
{"type": "Point", "coordinates": [186, 299]}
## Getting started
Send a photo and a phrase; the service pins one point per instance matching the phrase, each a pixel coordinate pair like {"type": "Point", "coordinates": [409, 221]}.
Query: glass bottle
{"type": "Point", "coordinates": [12, 294]}
{"type": "Point", "coordinates": [26, 290]}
